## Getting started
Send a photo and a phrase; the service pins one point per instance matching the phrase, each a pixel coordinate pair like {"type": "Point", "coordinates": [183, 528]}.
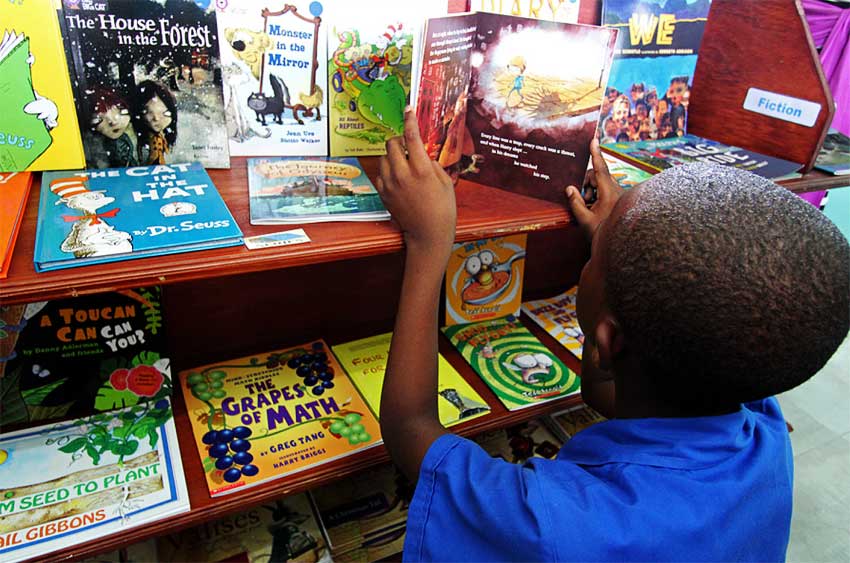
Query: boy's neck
{"type": "Point", "coordinates": [637, 397]}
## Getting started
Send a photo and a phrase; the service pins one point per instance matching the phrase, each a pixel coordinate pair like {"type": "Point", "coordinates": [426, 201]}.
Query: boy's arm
{"type": "Point", "coordinates": [420, 197]}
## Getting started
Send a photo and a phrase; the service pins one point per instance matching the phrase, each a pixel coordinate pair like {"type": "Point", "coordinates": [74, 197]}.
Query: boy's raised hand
{"type": "Point", "coordinates": [608, 192]}
{"type": "Point", "coordinates": [417, 191]}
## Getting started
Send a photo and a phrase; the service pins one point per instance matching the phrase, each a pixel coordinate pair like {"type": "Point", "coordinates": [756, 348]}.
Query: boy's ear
{"type": "Point", "coordinates": [609, 341]}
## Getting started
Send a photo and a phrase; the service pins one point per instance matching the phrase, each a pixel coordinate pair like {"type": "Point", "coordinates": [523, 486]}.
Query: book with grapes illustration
{"type": "Point", "coordinates": [262, 417]}
{"type": "Point", "coordinates": [365, 361]}
{"type": "Point", "coordinates": [73, 357]}
{"type": "Point", "coordinates": [557, 316]}
{"type": "Point", "coordinates": [484, 279]}
{"type": "Point", "coordinates": [518, 368]}
{"type": "Point", "coordinates": [273, 58]}
{"type": "Point", "coordinates": [64, 484]}
{"type": "Point", "coordinates": [97, 216]}
{"type": "Point", "coordinates": [38, 121]}
{"type": "Point", "coordinates": [311, 189]}
{"type": "Point", "coordinates": [512, 102]}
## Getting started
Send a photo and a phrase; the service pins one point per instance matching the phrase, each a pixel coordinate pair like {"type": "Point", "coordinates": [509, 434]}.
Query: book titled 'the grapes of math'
{"type": "Point", "coordinates": [265, 416]}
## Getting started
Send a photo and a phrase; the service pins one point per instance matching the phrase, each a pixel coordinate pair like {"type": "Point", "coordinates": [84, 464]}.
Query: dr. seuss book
{"type": "Point", "coordinates": [38, 124]}
{"type": "Point", "coordinates": [274, 57]}
{"type": "Point", "coordinates": [664, 153]}
{"type": "Point", "coordinates": [65, 484]}
{"type": "Point", "coordinates": [311, 189]}
{"type": "Point", "coordinates": [834, 155]}
{"type": "Point", "coordinates": [261, 417]}
{"type": "Point", "coordinates": [99, 216]}
{"type": "Point", "coordinates": [519, 369]}
{"type": "Point", "coordinates": [365, 361]}
{"type": "Point", "coordinates": [555, 10]}
{"type": "Point", "coordinates": [14, 189]}
{"type": "Point", "coordinates": [285, 529]}
{"type": "Point", "coordinates": [484, 279]}
{"type": "Point", "coordinates": [148, 82]}
{"type": "Point", "coordinates": [557, 316]}
{"type": "Point", "coordinates": [77, 356]}
{"type": "Point", "coordinates": [649, 87]}
{"type": "Point", "coordinates": [512, 102]}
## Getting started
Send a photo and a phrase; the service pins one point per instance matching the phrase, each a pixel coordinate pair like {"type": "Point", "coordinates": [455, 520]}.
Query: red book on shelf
{"type": "Point", "coordinates": [14, 189]}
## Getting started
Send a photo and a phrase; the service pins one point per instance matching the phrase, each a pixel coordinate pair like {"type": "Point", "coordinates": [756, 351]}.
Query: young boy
{"type": "Point", "coordinates": [708, 291]}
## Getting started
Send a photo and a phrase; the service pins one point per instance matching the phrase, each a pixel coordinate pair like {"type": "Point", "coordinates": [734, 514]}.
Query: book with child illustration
{"type": "Point", "coordinates": [497, 106]}
{"type": "Point", "coordinates": [97, 216]}
{"type": "Point", "coordinates": [258, 418]}
{"type": "Point", "coordinates": [285, 190]}
{"type": "Point", "coordinates": [14, 190]}
{"type": "Point", "coordinates": [148, 82]}
{"type": "Point", "coordinates": [38, 124]}
{"type": "Point", "coordinates": [519, 369]}
{"type": "Point", "coordinates": [557, 316]}
{"type": "Point", "coordinates": [365, 361]}
{"type": "Point", "coordinates": [834, 155]}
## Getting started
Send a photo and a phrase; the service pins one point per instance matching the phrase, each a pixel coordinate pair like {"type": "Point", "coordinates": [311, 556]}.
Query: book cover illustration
{"type": "Point", "coordinates": [311, 189]}
{"type": "Point", "coordinates": [498, 104]}
{"type": "Point", "coordinates": [484, 279]}
{"type": "Point", "coordinates": [365, 361]}
{"type": "Point", "coordinates": [568, 422]}
{"type": "Point", "coordinates": [285, 529]}
{"type": "Point", "coordinates": [664, 153]}
{"type": "Point", "coordinates": [519, 369]}
{"type": "Point", "coordinates": [14, 190]}
{"type": "Point", "coordinates": [38, 122]}
{"type": "Point", "coordinates": [100, 216]}
{"type": "Point", "coordinates": [519, 443]}
{"type": "Point", "coordinates": [74, 357]}
{"type": "Point", "coordinates": [148, 80]}
{"type": "Point", "coordinates": [625, 174]}
{"type": "Point", "coordinates": [649, 86]}
{"type": "Point", "coordinates": [557, 316]}
{"type": "Point", "coordinates": [64, 484]}
{"type": "Point", "coordinates": [554, 10]}
{"type": "Point", "coordinates": [273, 58]}
{"type": "Point", "coordinates": [261, 417]}
{"type": "Point", "coordinates": [834, 155]}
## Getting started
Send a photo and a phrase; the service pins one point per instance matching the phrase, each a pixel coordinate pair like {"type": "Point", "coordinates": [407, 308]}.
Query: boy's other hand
{"type": "Point", "coordinates": [417, 191]}
{"type": "Point", "coordinates": [607, 191]}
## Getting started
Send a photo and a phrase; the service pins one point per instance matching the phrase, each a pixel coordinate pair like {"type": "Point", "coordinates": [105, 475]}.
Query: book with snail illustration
{"type": "Point", "coordinates": [96, 216]}
{"type": "Point", "coordinates": [557, 316]}
{"type": "Point", "coordinates": [262, 417]}
{"type": "Point", "coordinates": [365, 360]}
{"type": "Point", "coordinates": [518, 368]}
{"type": "Point", "coordinates": [65, 484]}
{"type": "Point", "coordinates": [484, 279]}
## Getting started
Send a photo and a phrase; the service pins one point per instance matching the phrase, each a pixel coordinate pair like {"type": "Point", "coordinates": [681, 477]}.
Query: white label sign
{"type": "Point", "coordinates": [771, 104]}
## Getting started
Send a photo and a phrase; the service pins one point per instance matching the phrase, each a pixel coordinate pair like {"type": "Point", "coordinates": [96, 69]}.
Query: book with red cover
{"type": "Point", "coordinates": [14, 189]}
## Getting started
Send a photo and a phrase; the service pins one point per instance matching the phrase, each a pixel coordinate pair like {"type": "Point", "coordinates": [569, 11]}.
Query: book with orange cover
{"type": "Point", "coordinates": [14, 189]}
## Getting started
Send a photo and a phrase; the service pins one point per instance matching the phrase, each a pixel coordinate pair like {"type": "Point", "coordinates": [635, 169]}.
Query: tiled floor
{"type": "Point", "coordinates": [819, 411]}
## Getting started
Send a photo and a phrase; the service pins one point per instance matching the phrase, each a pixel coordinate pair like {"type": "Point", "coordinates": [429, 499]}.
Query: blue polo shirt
{"type": "Point", "coordinates": [712, 488]}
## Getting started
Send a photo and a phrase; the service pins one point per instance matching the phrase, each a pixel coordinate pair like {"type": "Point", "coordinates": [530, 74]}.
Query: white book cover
{"type": "Point", "coordinates": [68, 483]}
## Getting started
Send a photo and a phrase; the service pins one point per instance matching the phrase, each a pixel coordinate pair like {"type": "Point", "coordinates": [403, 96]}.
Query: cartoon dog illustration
{"type": "Point", "coordinates": [249, 47]}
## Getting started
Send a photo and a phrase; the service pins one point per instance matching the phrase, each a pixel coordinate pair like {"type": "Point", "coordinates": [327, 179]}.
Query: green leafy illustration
{"type": "Point", "coordinates": [14, 409]}
{"type": "Point", "coordinates": [108, 398]}
{"type": "Point", "coordinates": [145, 357]}
{"type": "Point", "coordinates": [73, 445]}
{"type": "Point", "coordinates": [37, 395]}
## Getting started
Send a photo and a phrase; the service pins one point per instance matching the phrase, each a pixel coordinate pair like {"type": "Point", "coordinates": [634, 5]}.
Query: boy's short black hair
{"type": "Point", "coordinates": [727, 287]}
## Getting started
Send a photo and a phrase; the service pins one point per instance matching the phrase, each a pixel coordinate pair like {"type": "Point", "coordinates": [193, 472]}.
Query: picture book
{"type": "Point", "coordinates": [512, 102]}
{"type": "Point", "coordinates": [484, 279]}
{"type": "Point", "coordinates": [285, 529]}
{"type": "Point", "coordinates": [262, 417]}
{"type": "Point", "coordinates": [311, 189]}
{"type": "Point", "coordinates": [555, 10]}
{"type": "Point", "coordinates": [38, 124]}
{"type": "Point", "coordinates": [519, 369]}
{"type": "Point", "coordinates": [650, 83]}
{"type": "Point", "coordinates": [77, 356]}
{"type": "Point", "coordinates": [148, 81]}
{"type": "Point", "coordinates": [274, 64]}
{"type": "Point", "coordinates": [557, 316]}
{"type": "Point", "coordinates": [664, 153]}
{"type": "Point", "coordinates": [834, 155]}
{"type": "Point", "coordinates": [65, 484]}
{"type": "Point", "coordinates": [565, 424]}
{"type": "Point", "coordinates": [14, 190]}
{"type": "Point", "coordinates": [519, 443]}
{"type": "Point", "coordinates": [371, 54]}
{"type": "Point", "coordinates": [625, 174]}
{"type": "Point", "coordinates": [365, 515]}
{"type": "Point", "coordinates": [365, 361]}
{"type": "Point", "coordinates": [97, 216]}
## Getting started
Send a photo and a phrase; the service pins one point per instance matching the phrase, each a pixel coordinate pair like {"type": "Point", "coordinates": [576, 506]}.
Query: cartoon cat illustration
{"type": "Point", "coordinates": [263, 105]}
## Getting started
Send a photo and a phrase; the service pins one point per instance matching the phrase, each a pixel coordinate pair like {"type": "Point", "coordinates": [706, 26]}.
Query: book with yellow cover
{"type": "Point", "coordinates": [365, 360]}
{"type": "Point", "coordinates": [14, 189]}
{"type": "Point", "coordinates": [557, 316]}
{"type": "Point", "coordinates": [261, 417]}
{"type": "Point", "coordinates": [484, 279]}
{"type": "Point", "coordinates": [39, 121]}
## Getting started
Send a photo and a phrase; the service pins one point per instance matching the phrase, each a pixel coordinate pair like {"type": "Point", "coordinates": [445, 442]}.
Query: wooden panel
{"type": "Point", "coordinates": [765, 45]}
